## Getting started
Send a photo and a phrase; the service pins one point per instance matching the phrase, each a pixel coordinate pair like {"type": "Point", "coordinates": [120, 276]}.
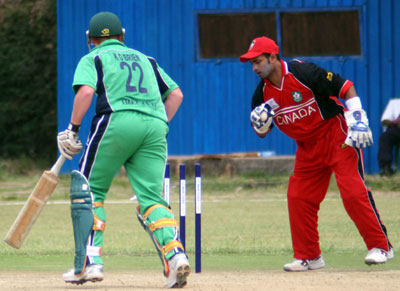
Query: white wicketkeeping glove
{"type": "Point", "coordinates": [68, 143]}
{"type": "Point", "coordinates": [359, 134]}
{"type": "Point", "coordinates": [261, 118]}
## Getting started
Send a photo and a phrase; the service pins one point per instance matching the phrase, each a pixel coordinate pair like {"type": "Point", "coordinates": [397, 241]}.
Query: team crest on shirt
{"type": "Point", "coordinates": [296, 95]}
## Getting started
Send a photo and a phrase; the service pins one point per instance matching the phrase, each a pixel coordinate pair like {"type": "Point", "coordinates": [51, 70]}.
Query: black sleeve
{"type": "Point", "coordinates": [163, 87]}
{"type": "Point", "coordinates": [322, 83]}
{"type": "Point", "coordinates": [258, 96]}
{"type": "Point", "coordinates": [319, 80]}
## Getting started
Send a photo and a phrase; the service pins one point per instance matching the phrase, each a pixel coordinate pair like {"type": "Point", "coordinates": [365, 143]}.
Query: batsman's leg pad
{"type": "Point", "coordinates": [151, 226]}
{"type": "Point", "coordinates": [82, 217]}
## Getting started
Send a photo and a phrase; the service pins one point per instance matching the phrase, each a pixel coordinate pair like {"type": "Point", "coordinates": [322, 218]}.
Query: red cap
{"type": "Point", "coordinates": [260, 45]}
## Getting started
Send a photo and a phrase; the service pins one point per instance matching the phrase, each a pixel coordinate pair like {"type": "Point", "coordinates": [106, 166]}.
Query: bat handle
{"type": "Point", "coordinates": [58, 164]}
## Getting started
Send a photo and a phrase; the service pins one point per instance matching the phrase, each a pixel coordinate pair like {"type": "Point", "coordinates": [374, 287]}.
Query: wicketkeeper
{"type": "Point", "coordinates": [135, 101]}
{"type": "Point", "coordinates": [302, 100]}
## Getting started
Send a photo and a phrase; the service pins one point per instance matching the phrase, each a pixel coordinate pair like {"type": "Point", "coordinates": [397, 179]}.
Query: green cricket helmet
{"type": "Point", "coordinates": [105, 24]}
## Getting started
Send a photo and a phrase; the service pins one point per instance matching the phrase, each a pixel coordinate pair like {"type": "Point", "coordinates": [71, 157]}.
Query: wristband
{"type": "Point", "coordinates": [353, 103]}
{"type": "Point", "coordinates": [74, 128]}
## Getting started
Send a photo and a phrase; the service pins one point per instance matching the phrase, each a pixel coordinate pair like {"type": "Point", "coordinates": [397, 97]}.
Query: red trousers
{"type": "Point", "coordinates": [315, 162]}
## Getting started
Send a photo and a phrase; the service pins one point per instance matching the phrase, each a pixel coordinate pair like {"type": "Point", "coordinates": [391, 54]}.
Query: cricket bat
{"type": "Point", "coordinates": [34, 205]}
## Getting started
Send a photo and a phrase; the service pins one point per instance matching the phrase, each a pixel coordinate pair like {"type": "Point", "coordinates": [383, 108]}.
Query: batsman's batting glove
{"type": "Point", "coordinates": [68, 142]}
{"type": "Point", "coordinates": [261, 118]}
{"type": "Point", "coordinates": [359, 134]}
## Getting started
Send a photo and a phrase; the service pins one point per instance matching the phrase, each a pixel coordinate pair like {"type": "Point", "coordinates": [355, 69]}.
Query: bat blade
{"type": "Point", "coordinates": [31, 210]}
{"type": "Point", "coordinates": [33, 206]}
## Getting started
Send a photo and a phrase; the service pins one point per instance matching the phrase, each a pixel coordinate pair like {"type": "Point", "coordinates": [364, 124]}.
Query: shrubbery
{"type": "Point", "coordinates": [28, 78]}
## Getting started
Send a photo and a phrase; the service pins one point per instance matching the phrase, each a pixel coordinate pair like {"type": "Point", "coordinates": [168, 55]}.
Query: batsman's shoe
{"type": "Point", "coordinates": [378, 256]}
{"type": "Point", "coordinates": [93, 273]}
{"type": "Point", "coordinates": [305, 265]}
{"type": "Point", "coordinates": [179, 270]}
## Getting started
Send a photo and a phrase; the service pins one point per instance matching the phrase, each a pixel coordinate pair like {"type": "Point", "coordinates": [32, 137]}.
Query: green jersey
{"type": "Point", "coordinates": [124, 79]}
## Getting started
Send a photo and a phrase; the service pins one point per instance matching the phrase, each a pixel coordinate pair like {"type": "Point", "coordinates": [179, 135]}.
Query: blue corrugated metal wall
{"type": "Point", "coordinates": [214, 117]}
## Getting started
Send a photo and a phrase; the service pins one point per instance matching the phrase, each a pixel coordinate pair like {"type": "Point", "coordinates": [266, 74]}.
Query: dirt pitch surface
{"type": "Point", "coordinates": [320, 280]}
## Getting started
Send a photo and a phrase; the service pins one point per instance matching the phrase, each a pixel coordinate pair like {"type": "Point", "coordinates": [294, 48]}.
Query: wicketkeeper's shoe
{"type": "Point", "coordinates": [378, 256]}
{"type": "Point", "coordinates": [305, 265]}
{"type": "Point", "coordinates": [179, 270]}
{"type": "Point", "coordinates": [93, 273]}
{"type": "Point", "coordinates": [390, 254]}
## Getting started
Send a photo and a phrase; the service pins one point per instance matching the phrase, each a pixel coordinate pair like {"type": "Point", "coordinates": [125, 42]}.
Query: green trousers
{"type": "Point", "coordinates": [137, 142]}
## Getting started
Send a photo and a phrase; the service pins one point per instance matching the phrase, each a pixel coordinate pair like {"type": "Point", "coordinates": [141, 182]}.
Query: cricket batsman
{"type": "Point", "coordinates": [135, 101]}
{"type": "Point", "coordinates": [302, 100]}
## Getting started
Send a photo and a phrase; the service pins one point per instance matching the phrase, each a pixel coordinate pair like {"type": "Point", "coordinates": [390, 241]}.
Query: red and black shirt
{"type": "Point", "coordinates": [308, 96]}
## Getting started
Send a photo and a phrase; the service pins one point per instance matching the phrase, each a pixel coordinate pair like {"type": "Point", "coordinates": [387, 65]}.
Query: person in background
{"type": "Point", "coordinates": [135, 101]}
{"type": "Point", "coordinates": [302, 100]}
{"type": "Point", "coordinates": [390, 137]}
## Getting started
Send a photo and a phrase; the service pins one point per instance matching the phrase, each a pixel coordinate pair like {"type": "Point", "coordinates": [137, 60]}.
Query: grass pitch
{"type": "Point", "coordinates": [245, 225]}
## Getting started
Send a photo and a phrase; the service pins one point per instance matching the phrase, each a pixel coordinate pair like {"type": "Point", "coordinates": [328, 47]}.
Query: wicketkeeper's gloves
{"type": "Point", "coordinates": [359, 134]}
{"type": "Point", "coordinates": [261, 118]}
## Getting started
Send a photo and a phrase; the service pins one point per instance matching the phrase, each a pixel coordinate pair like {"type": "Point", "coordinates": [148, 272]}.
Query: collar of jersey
{"type": "Point", "coordinates": [109, 42]}
{"type": "Point", "coordinates": [285, 71]}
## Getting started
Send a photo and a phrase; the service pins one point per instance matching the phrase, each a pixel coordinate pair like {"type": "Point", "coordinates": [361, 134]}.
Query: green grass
{"type": "Point", "coordinates": [244, 225]}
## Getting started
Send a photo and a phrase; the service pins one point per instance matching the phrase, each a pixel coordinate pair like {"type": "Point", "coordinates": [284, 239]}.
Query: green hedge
{"type": "Point", "coordinates": [28, 78]}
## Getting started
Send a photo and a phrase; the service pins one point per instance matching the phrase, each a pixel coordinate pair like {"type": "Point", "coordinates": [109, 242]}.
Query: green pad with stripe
{"type": "Point", "coordinates": [82, 217]}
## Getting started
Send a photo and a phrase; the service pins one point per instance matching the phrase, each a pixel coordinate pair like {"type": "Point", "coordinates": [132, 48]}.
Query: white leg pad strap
{"type": "Point", "coordinates": [93, 251]}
